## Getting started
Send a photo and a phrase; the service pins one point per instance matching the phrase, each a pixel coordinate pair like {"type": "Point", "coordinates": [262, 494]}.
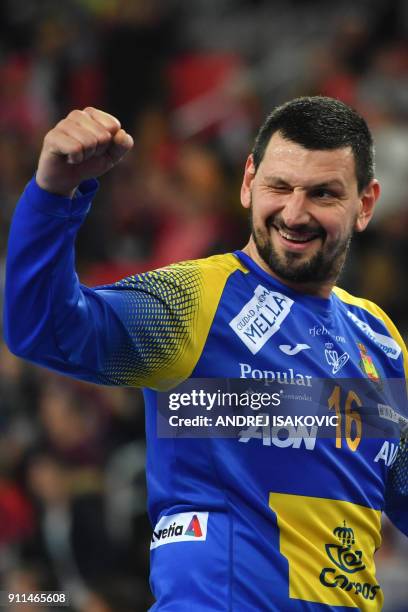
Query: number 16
{"type": "Point", "coordinates": [351, 416]}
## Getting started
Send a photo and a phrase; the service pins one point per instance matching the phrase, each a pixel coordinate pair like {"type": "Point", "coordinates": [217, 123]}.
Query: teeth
{"type": "Point", "coordinates": [295, 238]}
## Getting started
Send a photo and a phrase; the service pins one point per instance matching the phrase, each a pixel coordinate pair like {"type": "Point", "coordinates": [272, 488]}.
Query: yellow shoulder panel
{"type": "Point", "coordinates": [169, 314]}
{"type": "Point", "coordinates": [375, 310]}
{"type": "Point", "coordinates": [211, 275]}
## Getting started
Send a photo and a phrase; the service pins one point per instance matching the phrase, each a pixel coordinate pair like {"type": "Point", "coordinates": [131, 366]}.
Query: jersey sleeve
{"type": "Point", "coordinates": [146, 330]}
{"type": "Point", "coordinates": [168, 314]}
{"type": "Point", "coordinates": [396, 499]}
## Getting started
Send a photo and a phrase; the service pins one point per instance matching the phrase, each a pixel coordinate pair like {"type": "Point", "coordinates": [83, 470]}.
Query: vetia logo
{"type": "Point", "coordinates": [194, 528]}
{"type": "Point", "coordinates": [261, 317]}
{"type": "Point", "coordinates": [182, 527]}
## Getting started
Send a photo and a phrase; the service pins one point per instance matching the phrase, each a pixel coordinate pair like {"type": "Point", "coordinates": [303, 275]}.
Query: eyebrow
{"type": "Point", "coordinates": [334, 183]}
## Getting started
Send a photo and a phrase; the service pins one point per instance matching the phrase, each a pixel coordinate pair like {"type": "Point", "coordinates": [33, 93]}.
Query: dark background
{"type": "Point", "coordinates": [191, 81]}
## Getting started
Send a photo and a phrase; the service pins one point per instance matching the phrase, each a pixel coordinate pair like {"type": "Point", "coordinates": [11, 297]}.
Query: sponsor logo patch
{"type": "Point", "coordinates": [347, 561]}
{"type": "Point", "coordinates": [335, 360]}
{"type": "Point", "coordinates": [293, 350]}
{"type": "Point", "coordinates": [287, 377]}
{"type": "Point", "coordinates": [338, 539]}
{"type": "Point", "coordinates": [181, 527]}
{"type": "Point", "coordinates": [367, 364]}
{"type": "Point", "coordinates": [387, 412]}
{"type": "Point", "coordinates": [321, 330]}
{"type": "Point", "coordinates": [386, 344]}
{"type": "Point", "coordinates": [261, 317]}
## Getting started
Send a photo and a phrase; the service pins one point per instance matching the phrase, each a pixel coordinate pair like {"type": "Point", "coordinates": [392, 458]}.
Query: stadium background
{"type": "Point", "coordinates": [191, 80]}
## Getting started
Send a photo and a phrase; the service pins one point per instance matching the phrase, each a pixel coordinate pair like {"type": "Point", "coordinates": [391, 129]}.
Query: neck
{"type": "Point", "coordinates": [321, 289]}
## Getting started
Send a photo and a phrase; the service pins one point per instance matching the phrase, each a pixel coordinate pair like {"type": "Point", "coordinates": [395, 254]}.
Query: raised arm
{"type": "Point", "coordinates": [49, 317]}
{"type": "Point", "coordinates": [146, 330]}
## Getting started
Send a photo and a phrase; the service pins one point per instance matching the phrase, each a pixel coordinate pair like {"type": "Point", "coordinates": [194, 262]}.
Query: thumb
{"type": "Point", "coordinates": [120, 145]}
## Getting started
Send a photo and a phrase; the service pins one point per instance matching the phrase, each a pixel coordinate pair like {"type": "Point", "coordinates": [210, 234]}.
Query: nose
{"type": "Point", "coordinates": [295, 211]}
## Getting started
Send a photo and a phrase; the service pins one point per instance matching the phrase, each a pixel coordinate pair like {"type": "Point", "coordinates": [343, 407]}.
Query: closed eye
{"type": "Point", "coordinates": [281, 187]}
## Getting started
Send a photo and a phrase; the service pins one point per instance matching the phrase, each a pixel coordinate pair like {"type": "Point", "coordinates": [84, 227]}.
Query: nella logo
{"type": "Point", "coordinates": [261, 317]}
{"type": "Point", "coordinates": [181, 527]}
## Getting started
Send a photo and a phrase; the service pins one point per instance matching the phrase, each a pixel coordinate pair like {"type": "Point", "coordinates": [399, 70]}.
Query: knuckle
{"type": "Point", "coordinates": [51, 136]}
{"type": "Point", "coordinates": [60, 125]}
{"type": "Point", "coordinates": [115, 123]}
{"type": "Point", "coordinates": [75, 115]}
{"type": "Point", "coordinates": [110, 122]}
{"type": "Point", "coordinates": [104, 136]}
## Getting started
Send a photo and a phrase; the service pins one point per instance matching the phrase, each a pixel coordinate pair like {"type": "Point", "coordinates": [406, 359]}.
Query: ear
{"type": "Point", "coordinates": [246, 188]}
{"type": "Point", "coordinates": [368, 198]}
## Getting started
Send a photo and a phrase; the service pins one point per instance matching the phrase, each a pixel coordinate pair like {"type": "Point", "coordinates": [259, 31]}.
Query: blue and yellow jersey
{"type": "Point", "coordinates": [276, 520]}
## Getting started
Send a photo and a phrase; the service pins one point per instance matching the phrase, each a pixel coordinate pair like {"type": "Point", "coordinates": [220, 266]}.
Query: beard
{"type": "Point", "coordinates": [325, 265]}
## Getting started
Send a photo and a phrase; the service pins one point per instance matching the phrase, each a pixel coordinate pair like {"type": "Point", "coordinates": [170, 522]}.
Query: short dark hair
{"type": "Point", "coordinates": [320, 123]}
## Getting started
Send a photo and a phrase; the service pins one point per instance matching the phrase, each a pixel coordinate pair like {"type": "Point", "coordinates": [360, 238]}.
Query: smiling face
{"type": "Point", "coordinates": [304, 207]}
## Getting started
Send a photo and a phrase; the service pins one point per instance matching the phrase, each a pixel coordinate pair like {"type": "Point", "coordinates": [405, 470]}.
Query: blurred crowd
{"type": "Point", "coordinates": [191, 81]}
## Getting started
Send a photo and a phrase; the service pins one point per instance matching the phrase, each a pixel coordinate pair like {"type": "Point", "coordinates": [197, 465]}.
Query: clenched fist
{"type": "Point", "coordinates": [85, 144]}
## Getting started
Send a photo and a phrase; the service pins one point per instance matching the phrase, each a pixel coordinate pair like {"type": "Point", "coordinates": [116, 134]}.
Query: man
{"type": "Point", "coordinates": [273, 519]}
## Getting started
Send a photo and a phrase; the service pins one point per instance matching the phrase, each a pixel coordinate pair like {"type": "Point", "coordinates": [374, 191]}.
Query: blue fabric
{"type": "Point", "coordinates": [103, 335]}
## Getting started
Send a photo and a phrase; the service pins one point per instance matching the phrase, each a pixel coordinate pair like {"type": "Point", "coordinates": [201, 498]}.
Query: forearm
{"type": "Point", "coordinates": [48, 317]}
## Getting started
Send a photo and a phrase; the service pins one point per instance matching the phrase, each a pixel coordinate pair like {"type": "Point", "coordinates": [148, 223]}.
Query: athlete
{"type": "Point", "coordinates": [274, 518]}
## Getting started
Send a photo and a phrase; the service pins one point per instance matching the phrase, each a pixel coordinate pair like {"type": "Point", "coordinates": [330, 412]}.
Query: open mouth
{"type": "Point", "coordinates": [294, 237]}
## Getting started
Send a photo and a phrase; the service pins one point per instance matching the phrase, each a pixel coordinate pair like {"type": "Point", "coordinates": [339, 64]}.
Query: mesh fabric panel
{"type": "Point", "coordinates": [159, 309]}
{"type": "Point", "coordinates": [398, 478]}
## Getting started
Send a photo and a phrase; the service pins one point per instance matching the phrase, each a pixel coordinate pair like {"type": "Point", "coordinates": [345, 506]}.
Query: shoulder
{"type": "Point", "coordinates": [187, 276]}
{"type": "Point", "coordinates": [364, 312]}
{"type": "Point", "coordinates": [169, 313]}
{"type": "Point", "coordinates": [217, 265]}
{"type": "Point", "coordinates": [360, 303]}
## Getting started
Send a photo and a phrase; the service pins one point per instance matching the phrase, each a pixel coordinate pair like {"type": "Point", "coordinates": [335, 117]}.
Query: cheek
{"type": "Point", "coordinates": [337, 229]}
{"type": "Point", "coordinates": [264, 208]}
